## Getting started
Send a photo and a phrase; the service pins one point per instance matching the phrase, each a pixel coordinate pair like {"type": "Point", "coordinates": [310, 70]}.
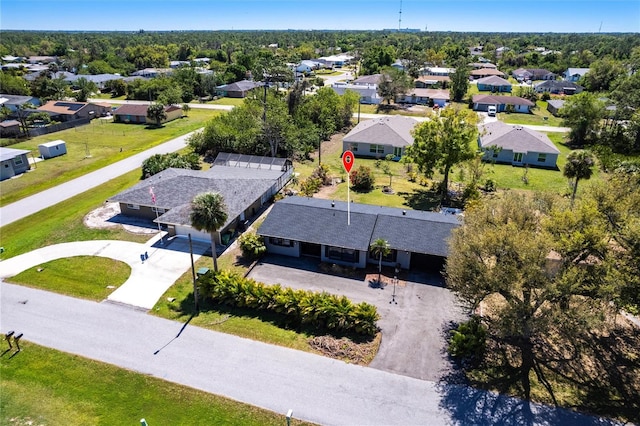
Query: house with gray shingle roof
{"type": "Point", "coordinates": [380, 137]}
{"type": "Point", "coordinates": [321, 229]}
{"type": "Point", "coordinates": [239, 89]}
{"type": "Point", "coordinates": [494, 84]}
{"type": "Point", "coordinates": [13, 162]}
{"type": "Point", "coordinates": [518, 104]}
{"type": "Point", "coordinates": [554, 105]}
{"type": "Point", "coordinates": [558, 87]}
{"type": "Point", "coordinates": [137, 114]}
{"type": "Point", "coordinates": [517, 145]}
{"type": "Point", "coordinates": [574, 74]}
{"type": "Point", "coordinates": [245, 182]}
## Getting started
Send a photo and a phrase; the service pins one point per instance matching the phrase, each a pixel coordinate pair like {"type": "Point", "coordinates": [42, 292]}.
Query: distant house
{"type": "Point", "coordinates": [13, 162]}
{"type": "Point", "coordinates": [337, 61]}
{"type": "Point", "coordinates": [554, 105]}
{"type": "Point", "coordinates": [417, 96]}
{"type": "Point", "coordinates": [9, 128]}
{"type": "Point", "coordinates": [69, 111]}
{"type": "Point", "coordinates": [427, 81]}
{"type": "Point", "coordinates": [368, 92]}
{"type": "Point", "coordinates": [239, 89]}
{"type": "Point", "coordinates": [524, 74]}
{"type": "Point", "coordinates": [574, 74]}
{"type": "Point", "coordinates": [485, 72]}
{"type": "Point", "coordinates": [479, 65]}
{"type": "Point", "coordinates": [399, 65]}
{"type": "Point", "coordinates": [494, 84]}
{"type": "Point", "coordinates": [308, 66]}
{"type": "Point", "coordinates": [380, 137]}
{"type": "Point", "coordinates": [152, 72]}
{"type": "Point", "coordinates": [482, 103]}
{"type": "Point", "coordinates": [100, 80]}
{"type": "Point", "coordinates": [558, 87]}
{"type": "Point", "coordinates": [245, 182]}
{"type": "Point", "coordinates": [367, 79]}
{"type": "Point", "coordinates": [517, 145]}
{"type": "Point", "coordinates": [14, 102]}
{"type": "Point", "coordinates": [137, 114]}
{"type": "Point", "coordinates": [441, 71]}
{"type": "Point", "coordinates": [417, 239]}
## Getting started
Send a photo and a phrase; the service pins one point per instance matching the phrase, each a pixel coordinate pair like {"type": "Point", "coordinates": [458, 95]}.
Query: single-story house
{"type": "Point", "coordinates": [368, 92]}
{"type": "Point", "coordinates": [13, 102]}
{"type": "Point", "coordinates": [494, 84]}
{"type": "Point", "coordinates": [439, 97]}
{"type": "Point", "coordinates": [485, 72]}
{"type": "Point", "coordinates": [367, 80]}
{"type": "Point", "coordinates": [380, 137]}
{"type": "Point", "coordinates": [13, 162]}
{"type": "Point", "coordinates": [441, 71]}
{"type": "Point", "coordinates": [517, 145]}
{"type": "Point", "coordinates": [69, 111]}
{"type": "Point", "coordinates": [426, 81]}
{"type": "Point", "coordinates": [554, 105]}
{"type": "Point", "coordinates": [239, 89]}
{"type": "Point", "coordinates": [245, 182]}
{"type": "Point", "coordinates": [152, 72]}
{"type": "Point", "coordinates": [574, 74]}
{"type": "Point", "coordinates": [558, 87]}
{"type": "Point", "coordinates": [482, 103]}
{"type": "Point", "coordinates": [52, 149]}
{"type": "Point", "coordinates": [337, 61]}
{"type": "Point", "coordinates": [479, 65]}
{"type": "Point", "coordinates": [308, 66]}
{"type": "Point", "coordinates": [42, 59]}
{"type": "Point", "coordinates": [417, 239]}
{"type": "Point", "coordinates": [399, 64]}
{"type": "Point", "coordinates": [9, 128]}
{"type": "Point", "coordinates": [524, 74]}
{"type": "Point", "coordinates": [99, 79]}
{"type": "Point", "coordinates": [137, 114]}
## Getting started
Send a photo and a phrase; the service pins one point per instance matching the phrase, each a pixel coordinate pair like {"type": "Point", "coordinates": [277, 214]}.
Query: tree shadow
{"type": "Point", "coordinates": [421, 199]}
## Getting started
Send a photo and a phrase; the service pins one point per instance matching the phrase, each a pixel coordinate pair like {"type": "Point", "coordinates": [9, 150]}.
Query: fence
{"type": "Point", "coordinates": [38, 131]}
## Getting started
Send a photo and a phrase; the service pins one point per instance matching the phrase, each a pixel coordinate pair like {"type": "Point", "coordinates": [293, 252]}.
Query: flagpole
{"type": "Point", "coordinates": [348, 199]}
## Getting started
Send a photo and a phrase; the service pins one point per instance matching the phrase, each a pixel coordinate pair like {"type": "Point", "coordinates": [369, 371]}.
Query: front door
{"type": "Point", "coordinates": [397, 151]}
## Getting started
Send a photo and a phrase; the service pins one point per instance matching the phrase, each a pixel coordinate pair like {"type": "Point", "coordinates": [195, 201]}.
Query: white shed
{"type": "Point", "coordinates": [52, 149]}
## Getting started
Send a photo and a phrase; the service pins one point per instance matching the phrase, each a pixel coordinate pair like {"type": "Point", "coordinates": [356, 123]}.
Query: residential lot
{"type": "Point", "coordinates": [413, 329]}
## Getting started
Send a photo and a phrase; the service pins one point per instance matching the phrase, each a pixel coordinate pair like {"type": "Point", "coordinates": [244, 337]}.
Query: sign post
{"type": "Point", "coordinates": [347, 161]}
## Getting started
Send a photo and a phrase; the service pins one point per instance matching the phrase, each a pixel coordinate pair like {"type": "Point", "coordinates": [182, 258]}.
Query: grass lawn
{"type": "Point", "coordinates": [226, 101]}
{"type": "Point", "coordinates": [104, 141]}
{"type": "Point", "coordinates": [64, 221]}
{"type": "Point", "coordinates": [86, 277]}
{"type": "Point", "coordinates": [537, 117]}
{"type": "Point", "coordinates": [43, 386]}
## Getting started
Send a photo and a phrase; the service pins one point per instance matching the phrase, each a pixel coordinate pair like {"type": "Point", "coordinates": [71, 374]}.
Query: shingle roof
{"type": "Point", "coordinates": [240, 86]}
{"type": "Point", "coordinates": [515, 138]}
{"type": "Point", "coordinates": [322, 221]}
{"type": "Point", "coordinates": [556, 103]}
{"type": "Point", "coordinates": [486, 71]}
{"type": "Point", "coordinates": [393, 130]}
{"type": "Point", "coordinates": [132, 109]}
{"type": "Point", "coordinates": [368, 79]}
{"type": "Point", "coordinates": [557, 84]}
{"type": "Point", "coordinates": [9, 153]}
{"type": "Point", "coordinates": [63, 107]}
{"type": "Point", "coordinates": [494, 80]}
{"type": "Point", "coordinates": [431, 93]}
{"type": "Point", "coordinates": [498, 100]}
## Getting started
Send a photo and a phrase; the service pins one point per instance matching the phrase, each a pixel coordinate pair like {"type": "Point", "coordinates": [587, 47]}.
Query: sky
{"type": "Point", "coordinates": [433, 15]}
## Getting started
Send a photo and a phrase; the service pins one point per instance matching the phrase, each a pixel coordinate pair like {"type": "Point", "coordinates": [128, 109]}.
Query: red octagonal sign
{"type": "Point", "coordinates": [347, 160]}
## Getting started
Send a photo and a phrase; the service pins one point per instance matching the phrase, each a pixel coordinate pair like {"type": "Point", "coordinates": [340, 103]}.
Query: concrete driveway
{"type": "Point", "coordinates": [413, 327]}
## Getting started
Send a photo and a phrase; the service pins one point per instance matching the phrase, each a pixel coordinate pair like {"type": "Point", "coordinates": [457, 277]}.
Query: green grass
{"type": "Point", "coordinates": [64, 221]}
{"type": "Point", "coordinates": [43, 386]}
{"type": "Point", "coordinates": [537, 117]}
{"type": "Point", "coordinates": [104, 141]}
{"type": "Point", "coordinates": [226, 101]}
{"type": "Point", "coordinates": [85, 277]}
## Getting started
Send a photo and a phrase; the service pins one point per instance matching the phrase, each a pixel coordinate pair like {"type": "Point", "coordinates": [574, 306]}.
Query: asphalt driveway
{"type": "Point", "coordinates": [413, 325]}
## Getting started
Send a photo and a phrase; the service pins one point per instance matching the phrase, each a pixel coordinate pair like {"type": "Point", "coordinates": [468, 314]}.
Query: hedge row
{"type": "Point", "coordinates": [324, 311]}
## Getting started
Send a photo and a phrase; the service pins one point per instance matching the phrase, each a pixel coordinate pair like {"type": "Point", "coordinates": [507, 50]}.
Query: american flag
{"type": "Point", "coordinates": [153, 195]}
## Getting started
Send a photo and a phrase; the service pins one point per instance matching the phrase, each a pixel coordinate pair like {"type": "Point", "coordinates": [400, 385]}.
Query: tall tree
{"type": "Point", "coordinates": [209, 213]}
{"type": "Point", "coordinates": [443, 142]}
{"type": "Point", "coordinates": [583, 113]}
{"type": "Point", "coordinates": [380, 248]}
{"type": "Point", "coordinates": [460, 80]}
{"type": "Point", "coordinates": [156, 112]}
{"type": "Point", "coordinates": [392, 83]}
{"type": "Point", "coordinates": [85, 89]}
{"type": "Point", "coordinates": [579, 166]}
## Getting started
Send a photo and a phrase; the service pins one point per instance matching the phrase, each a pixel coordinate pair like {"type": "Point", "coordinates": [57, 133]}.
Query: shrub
{"type": "Point", "coordinates": [322, 174]}
{"type": "Point", "coordinates": [468, 341]}
{"type": "Point", "coordinates": [362, 179]}
{"type": "Point", "coordinates": [489, 185]}
{"type": "Point", "coordinates": [546, 96]}
{"type": "Point", "coordinates": [252, 245]}
{"type": "Point", "coordinates": [324, 311]}
{"type": "Point", "coordinates": [310, 186]}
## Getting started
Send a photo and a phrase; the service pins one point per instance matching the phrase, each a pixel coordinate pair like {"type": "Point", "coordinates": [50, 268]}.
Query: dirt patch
{"type": "Point", "coordinates": [346, 349]}
{"type": "Point", "coordinates": [108, 216]}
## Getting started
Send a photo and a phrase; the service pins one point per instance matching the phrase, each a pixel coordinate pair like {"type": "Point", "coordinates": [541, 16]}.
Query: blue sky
{"type": "Point", "coordinates": [434, 15]}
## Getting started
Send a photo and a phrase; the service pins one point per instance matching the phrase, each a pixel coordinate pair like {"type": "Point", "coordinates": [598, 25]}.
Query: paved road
{"type": "Point", "coordinates": [318, 389]}
{"type": "Point", "coordinates": [33, 204]}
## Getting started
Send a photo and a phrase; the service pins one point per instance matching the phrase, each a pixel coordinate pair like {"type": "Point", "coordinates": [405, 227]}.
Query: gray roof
{"type": "Point", "coordinates": [368, 79]}
{"type": "Point", "coordinates": [15, 99]}
{"type": "Point", "coordinates": [515, 138]}
{"type": "Point", "coordinates": [97, 78]}
{"type": "Point", "coordinates": [557, 84]}
{"type": "Point", "coordinates": [576, 71]}
{"type": "Point", "coordinates": [10, 153]}
{"type": "Point", "coordinates": [494, 80]}
{"type": "Point", "coordinates": [498, 100]}
{"type": "Point", "coordinates": [175, 189]}
{"type": "Point", "coordinates": [392, 130]}
{"type": "Point", "coordinates": [319, 221]}
{"type": "Point", "coordinates": [240, 86]}
{"type": "Point", "coordinates": [556, 103]}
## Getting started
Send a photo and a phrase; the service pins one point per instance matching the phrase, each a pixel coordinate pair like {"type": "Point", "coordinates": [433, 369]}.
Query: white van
{"type": "Point", "coordinates": [491, 111]}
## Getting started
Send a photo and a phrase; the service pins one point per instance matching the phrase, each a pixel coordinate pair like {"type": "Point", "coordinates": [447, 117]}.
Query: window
{"type": "Point", "coordinates": [542, 158]}
{"type": "Point", "coordinates": [495, 154]}
{"type": "Point", "coordinates": [342, 254]}
{"type": "Point", "coordinates": [517, 157]}
{"type": "Point", "coordinates": [18, 161]}
{"type": "Point", "coordinates": [158, 210]}
{"type": "Point", "coordinates": [354, 147]}
{"type": "Point", "coordinates": [133, 206]}
{"type": "Point", "coordinates": [391, 257]}
{"type": "Point", "coordinates": [376, 149]}
{"type": "Point", "coordinates": [282, 242]}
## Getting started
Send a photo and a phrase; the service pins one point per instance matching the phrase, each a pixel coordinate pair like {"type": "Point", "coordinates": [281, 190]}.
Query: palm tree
{"type": "Point", "coordinates": [209, 213]}
{"type": "Point", "coordinates": [579, 166]}
{"type": "Point", "coordinates": [380, 248]}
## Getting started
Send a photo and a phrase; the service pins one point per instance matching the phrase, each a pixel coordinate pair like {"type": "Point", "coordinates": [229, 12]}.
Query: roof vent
{"type": "Point", "coordinates": [333, 204]}
{"type": "Point", "coordinates": [404, 212]}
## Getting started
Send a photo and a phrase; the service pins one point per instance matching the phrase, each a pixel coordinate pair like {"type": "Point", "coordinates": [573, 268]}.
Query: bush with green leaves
{"type": "Point", "coordinates": [362, 179]}
{"type": "Point", "coordinates": [159, 162]}
{"type": "Point", "coordinates": [468, 341]}
{"type": "Point", "coordinates": [310, 186]}
{"type": "Point", "coordinates": [323, 311]}
{"type": "Point", "coordinates": [252, 245]}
